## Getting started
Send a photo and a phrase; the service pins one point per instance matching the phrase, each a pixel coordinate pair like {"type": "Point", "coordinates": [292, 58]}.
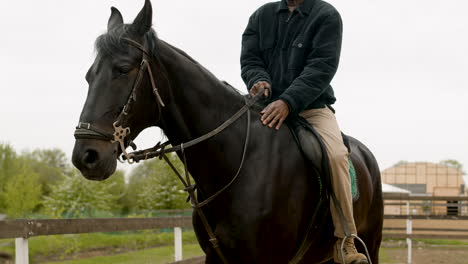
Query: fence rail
{"type": "Point", "coordinates": [30, 228]}
{"type": "Point", "coordinates": [406, 197]}
{"type": "Point", "coordinates": [425, 233]}
{"type": "Point", "coordinates": [23, 229]}
{"type": "Point", "coordinates": [427, 217]}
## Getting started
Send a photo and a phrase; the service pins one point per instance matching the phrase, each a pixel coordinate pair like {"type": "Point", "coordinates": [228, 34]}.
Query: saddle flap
{"type": "Point", "coordinates": [310, 146]}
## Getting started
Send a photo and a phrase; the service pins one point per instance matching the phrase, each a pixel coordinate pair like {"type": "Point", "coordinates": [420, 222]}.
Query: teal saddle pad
{"type": "Point", "coordinates": [352, 176]}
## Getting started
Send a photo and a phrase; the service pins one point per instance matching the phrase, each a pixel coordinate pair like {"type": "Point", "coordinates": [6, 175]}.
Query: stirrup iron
{"type": "Point", "coordinates": [360, 241]}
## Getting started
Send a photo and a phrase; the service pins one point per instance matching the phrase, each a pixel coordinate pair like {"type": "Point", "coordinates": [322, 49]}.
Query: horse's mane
{"type": "Point", "coordinates": [111, 42]}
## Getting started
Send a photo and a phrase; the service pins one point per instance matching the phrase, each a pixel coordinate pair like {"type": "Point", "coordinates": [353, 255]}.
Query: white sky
{"type": "Point", "coordinates": [402, 86]}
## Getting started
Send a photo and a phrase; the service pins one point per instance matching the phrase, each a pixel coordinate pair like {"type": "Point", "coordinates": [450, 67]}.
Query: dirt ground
{"type": "Point", "coordinates": [429, 255]}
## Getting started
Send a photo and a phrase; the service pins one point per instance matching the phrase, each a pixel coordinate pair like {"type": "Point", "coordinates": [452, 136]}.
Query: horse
{"type": "Point", "coordinates": [264, 215]}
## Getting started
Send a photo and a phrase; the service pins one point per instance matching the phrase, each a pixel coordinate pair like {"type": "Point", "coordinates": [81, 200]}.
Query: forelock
{"type": "Point", "coordinates": [111, 42]}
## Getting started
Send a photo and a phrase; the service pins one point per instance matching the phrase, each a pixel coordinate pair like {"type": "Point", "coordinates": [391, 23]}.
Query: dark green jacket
{"type": "Point", "coordinates": [297, 54]}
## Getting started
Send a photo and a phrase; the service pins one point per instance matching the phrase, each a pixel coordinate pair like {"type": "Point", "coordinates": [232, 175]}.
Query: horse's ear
{"type": "Point", "coordinates": [115, 19]}
{"type": "Point", "coordinates": [144, 20]}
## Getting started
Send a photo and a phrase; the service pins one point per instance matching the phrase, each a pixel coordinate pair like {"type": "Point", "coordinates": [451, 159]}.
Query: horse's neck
{"type": "Point", "coordinates": [199, 103]}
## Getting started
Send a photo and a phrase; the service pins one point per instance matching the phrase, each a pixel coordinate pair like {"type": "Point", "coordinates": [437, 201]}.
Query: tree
{"type": "Point", "coordinates": [400, 163]}
{"type": "Point", "coordinates": [8, 167]}
{"type": "Point", "coordinates": [22, 193]}
{"type": "Point", "coordinates": [118, 189]}
{"type": "Point", "coordinates": [454, 164]}
{"type": "Point", "coordinates": [54, 158]}
{"type": "Point", "coordinates": [77, 197]}
{"type": "Point", "coordinates": [153, 185]}
{"type": "Point", "coordinates": [50, 164]}
{"type": "Point", "coordinates": [7, 161]}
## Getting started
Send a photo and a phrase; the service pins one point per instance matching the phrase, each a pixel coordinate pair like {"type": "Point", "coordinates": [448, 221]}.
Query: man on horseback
{"type": "Point", "coordinates": [291, 49]}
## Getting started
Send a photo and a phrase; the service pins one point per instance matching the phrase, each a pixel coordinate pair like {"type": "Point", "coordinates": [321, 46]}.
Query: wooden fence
{"type": "Point", "coordinates": [21, 230]}
{"type": "Point", "coordinates": [444, 232]}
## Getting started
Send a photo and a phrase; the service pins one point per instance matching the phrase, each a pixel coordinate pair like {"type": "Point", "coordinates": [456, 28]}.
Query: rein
{"type": "Point", "coordinates": [89, 131]}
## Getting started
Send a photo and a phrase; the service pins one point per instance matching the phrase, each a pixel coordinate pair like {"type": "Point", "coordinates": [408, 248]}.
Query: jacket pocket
{"type": "Point", "coordinates": [298, 54]}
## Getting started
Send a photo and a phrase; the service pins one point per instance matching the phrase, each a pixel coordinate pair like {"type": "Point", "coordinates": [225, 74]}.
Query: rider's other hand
{"type": "Point", "coordinates": [257, 87]}
{"type": "Point", "coordinates": [275, 114]}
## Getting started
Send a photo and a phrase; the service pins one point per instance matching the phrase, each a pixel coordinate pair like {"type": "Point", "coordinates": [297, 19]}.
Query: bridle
{"type": "Point", "coordinates": [89, 131]}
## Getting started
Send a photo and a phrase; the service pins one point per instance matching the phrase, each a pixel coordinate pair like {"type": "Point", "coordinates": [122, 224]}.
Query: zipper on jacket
{"type": "Point", "coordinates": [289, 17]}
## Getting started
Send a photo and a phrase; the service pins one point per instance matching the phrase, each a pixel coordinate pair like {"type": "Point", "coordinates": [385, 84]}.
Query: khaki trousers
{"type": "Point", "coordinates": [324, 121]}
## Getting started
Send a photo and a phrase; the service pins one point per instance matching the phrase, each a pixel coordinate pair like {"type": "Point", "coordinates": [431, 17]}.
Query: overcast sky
{"type": "Point", "coordinates": [402, 85]}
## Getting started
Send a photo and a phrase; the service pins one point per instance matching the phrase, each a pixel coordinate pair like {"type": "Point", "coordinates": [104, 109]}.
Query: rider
{"type": "Point", "coordinates": [291, 48]}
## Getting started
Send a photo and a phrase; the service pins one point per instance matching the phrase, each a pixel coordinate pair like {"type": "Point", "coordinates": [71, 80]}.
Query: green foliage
{"type": "Point", "coordinates": [400, 163]}
{"type": "Point", "coordinates": [454, 164]}
{"type": "Point", "coordinates": [44, 182]}
{"type": "Point", "coordinates": [118, 189]}
{"type": "Point", "coordinates": [22, 193]}
{"type": "Point", "coordinates": [153, 185]}
{"type": "Point", "coordinates": [25, 178]}
{"type": "Point", "coordinates": [8, 168]}
{"type": "Point", "coordinates": [50, 165]}
{"type": "Point", "coordinates": [77, 197]}
{"type": "Point", "coordinates": [444, 242]}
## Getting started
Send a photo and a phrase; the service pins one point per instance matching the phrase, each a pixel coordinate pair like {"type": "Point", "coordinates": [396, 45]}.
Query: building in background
{"type": "Point", "coordinates": [466, 184]}
{"type": "Point", "coordinates": [392, 207]}
{"type": "Point", "coordinates": [427, 179]}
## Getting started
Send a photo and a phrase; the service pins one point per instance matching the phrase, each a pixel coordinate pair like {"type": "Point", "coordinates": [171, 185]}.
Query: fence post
{"type": "Point", "coordinates": [409, 231]}
{"type": "Point", "coordinates": [21, 251]}
{"type": "Point", "coordinates": [178, 243]}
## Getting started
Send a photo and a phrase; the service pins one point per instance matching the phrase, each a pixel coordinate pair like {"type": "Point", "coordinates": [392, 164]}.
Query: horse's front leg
{"type": "Point", "coordinates": [213, 259]}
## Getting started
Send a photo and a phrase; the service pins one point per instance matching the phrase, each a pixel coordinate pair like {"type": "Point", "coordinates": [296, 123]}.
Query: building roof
{"type": "Point", "coordinates": [437, 167]}
{"type": "Point", "coordinates": [388, 188]}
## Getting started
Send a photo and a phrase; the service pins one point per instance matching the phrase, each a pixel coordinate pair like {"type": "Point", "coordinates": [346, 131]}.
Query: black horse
{"type": "Point", "coordinates": [263, 216]}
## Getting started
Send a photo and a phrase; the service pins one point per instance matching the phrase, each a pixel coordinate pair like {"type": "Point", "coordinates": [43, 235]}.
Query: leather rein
{"type": "Point", "coordinates": [89, 131]}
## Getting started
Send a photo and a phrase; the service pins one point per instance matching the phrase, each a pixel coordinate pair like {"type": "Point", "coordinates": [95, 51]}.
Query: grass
{"type": "Point", "coordinates": [384, 256]}
{"type": "Point", "coordinates": [153, 256]}
{"type": "Point", "coordinates": [150, 246]}
{"type": "Point", "coordinates": [446, 242]}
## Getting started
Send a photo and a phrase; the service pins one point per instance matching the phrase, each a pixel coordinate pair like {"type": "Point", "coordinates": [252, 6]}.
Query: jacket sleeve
{"type": "Point", "coordinates": [321, 65]}
{"type": "Point", "coordinates": [253, 67]}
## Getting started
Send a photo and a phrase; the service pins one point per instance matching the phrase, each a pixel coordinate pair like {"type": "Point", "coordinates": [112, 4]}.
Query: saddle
{"type": "Point", "coordinates": [310, 142]}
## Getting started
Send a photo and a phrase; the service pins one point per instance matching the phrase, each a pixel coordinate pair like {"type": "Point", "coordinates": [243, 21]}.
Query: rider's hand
{"type": "Point", "coordinates": [275, 114]}
{"type": "Point", "coordinates": [257, 87]}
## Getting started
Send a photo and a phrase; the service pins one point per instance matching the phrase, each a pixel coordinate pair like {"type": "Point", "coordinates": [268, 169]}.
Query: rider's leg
{"type": "Point", "coordinates": [324, 121]}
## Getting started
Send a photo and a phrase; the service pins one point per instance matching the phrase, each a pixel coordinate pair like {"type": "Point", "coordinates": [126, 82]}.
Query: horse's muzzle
{"type": "Point", "coordinates": [95, 159]}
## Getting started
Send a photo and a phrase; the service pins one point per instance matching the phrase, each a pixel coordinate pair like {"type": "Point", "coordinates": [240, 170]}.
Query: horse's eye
{"type": "Point", "coordinates": [124, 69]}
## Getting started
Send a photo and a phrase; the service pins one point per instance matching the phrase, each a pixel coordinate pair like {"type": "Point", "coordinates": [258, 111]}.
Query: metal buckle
{"type": "Point", "coordinates": [119, 136]}
{"type": "Point", "coordinates": [88, 125]}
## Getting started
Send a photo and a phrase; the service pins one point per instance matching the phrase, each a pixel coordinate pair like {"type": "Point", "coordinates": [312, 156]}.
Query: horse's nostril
{"type": "Point", "coordinates": [90, 157]}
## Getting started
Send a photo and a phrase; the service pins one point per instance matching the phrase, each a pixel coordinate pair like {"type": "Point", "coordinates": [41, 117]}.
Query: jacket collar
{"type": "Point", "coordinates": [304, 8]}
